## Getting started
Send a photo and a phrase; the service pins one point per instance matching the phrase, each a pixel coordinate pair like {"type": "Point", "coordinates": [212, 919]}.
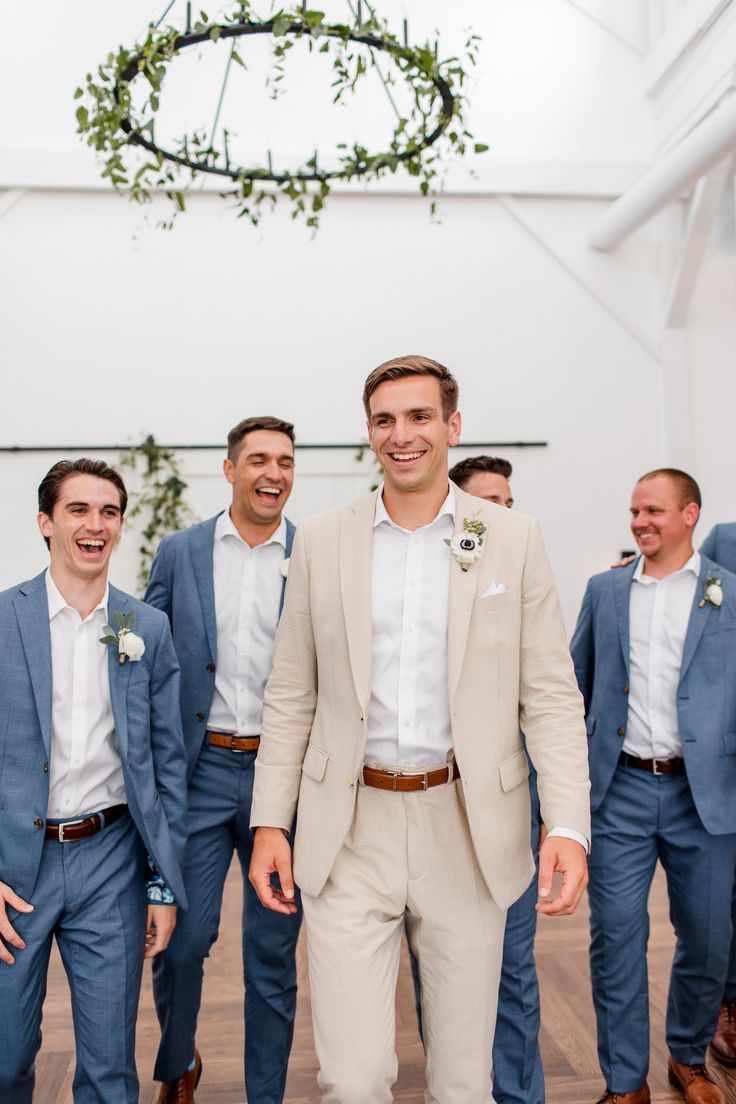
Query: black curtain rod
{"type": "Point", "coordinates": [221, 447]}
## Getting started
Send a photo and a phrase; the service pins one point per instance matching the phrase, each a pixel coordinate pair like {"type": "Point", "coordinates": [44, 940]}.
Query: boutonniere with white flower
{"type": "Point", "coordinates": [285, 567]}
{"type": "Point", "coordinates": [466, 545]}
{"type": "Point", "coordinates": [712, 592]}
{"type": "Point", "coordinates": [129, 644]}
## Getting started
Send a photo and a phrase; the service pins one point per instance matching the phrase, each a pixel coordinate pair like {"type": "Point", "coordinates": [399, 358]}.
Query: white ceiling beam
{"type": "Point", "coordinates": [703, 207]}
{"type": "Point", "coordinates": [712, 140]}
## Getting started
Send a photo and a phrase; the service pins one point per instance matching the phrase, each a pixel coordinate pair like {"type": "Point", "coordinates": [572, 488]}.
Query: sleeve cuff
{"type": "Point", "coordinates": [570, 833]}
{"type": "Point", "coordinates": [157, 891]}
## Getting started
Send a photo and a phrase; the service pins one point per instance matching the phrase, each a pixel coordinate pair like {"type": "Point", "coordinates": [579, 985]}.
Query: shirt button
{"type": "Point", "coordinates": [622, 731]}
{"type": "Point", "coordinates": [38, 823]}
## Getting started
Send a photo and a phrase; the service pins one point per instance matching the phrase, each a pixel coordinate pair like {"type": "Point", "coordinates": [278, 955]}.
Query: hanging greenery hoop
{"type": "Point", "coordinates": [433, 128]}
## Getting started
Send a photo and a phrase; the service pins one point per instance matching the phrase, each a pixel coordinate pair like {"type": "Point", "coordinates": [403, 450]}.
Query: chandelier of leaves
{"type": "Point", "coordinates": [120, 130]}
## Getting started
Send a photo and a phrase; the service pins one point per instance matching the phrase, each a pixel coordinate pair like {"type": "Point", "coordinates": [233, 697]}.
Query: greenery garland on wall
{"type": "Point", "coordinates": [160, 499]}
{"type": "Point", "coordinates": [118, 128]}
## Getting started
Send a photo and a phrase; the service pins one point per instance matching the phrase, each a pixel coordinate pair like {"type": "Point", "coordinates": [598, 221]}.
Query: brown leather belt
{"type": "Point", "coordinates": [72, 830]}
{"type": "Point", "coordinates": [233, 743]}
{"type": "Point", "coordinates": [408, 783]}
{"type": "Point", "coordinates": [654, 766]}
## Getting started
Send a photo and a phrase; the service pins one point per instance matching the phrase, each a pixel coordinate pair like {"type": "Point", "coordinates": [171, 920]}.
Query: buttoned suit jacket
{"type": "Point", "coordinates": [144, 697]}
{"type": "Point", "coordinates": [706, 693]}
{"type": "Point", "coordinates": [508, 662]}
{"type": "Point", "coordinates": [181, 584]}
{"type": "Point", "coordinates": [720, 545]}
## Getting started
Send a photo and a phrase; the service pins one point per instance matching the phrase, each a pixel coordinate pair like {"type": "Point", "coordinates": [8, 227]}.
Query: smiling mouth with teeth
{"type": "Point", "coordinates": [404, 457]}
{"type": "Point", "coordinates": [90, 547]}
{"type": "Point", "coordinates": [271, 492]}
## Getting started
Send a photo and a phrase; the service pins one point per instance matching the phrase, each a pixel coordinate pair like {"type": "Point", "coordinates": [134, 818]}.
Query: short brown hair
{"type": "Point", "coordinates": [49, 488]}
{"type": "Point", "coordinates": [238, 433]}
{"type": "Point", "coordinates": [688, 489]}
{"type": "Point", "coordinates": [404, 366]}
{"type": "Point", "coordinates": [463, 470]}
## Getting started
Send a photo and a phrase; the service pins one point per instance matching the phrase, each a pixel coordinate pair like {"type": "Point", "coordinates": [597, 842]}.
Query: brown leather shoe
{"type": "Point", "coordinates": [641, 1096]}
{"type": "Point", "coordinates": [724, 1040]}
{"type": "Point", "coordinates": [695, 1083]}
{"type": "Point", "coordinates": [181, 1089]}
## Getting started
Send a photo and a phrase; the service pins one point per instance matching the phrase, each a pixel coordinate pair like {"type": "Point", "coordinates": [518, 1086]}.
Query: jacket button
{"type": "Point", "coordinates": [38, 823]}
{"type": "Point", "coordinates": [45, 768]}
{"type": "Point", "coordinates": [210, 667]}
{"type": "Point", "coordinates": [200, 716]}
{"type": "Point", "coordinates": [351, 782]}
{"type": "Point", "coordinates": [622, 731]}
{"type": "Point", "coordinates": [626, 688]}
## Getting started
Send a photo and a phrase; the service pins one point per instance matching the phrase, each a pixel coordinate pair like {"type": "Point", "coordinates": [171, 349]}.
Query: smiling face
{"type": "Point", "coordinates": [491, 486]}
{"type": "Point", "coordinates": [662, 526]}
{"type": "Point", "coordinates": [262, 476]}
{"type": "Point", "coordinates": [409, 435]}
{"type": "Point", "coordinates": [83, 528]}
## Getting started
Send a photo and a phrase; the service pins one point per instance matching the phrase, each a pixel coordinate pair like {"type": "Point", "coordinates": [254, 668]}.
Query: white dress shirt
{"type": "Point", "coordinates": [409, 708]}
{"type": "Point", "coordinates": [659, 612]}
{"type": "Point", "coordinates": [248, 585]}
{"type": "Point", "coordinates": [85, 772]}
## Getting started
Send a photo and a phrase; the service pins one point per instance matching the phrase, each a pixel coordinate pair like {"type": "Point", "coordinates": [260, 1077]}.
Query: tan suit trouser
{"type": "Point", "coordinates": [406, 854]}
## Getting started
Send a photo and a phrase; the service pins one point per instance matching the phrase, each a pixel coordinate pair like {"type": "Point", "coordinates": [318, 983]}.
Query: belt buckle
{"type": "Point", "coordinates": [655, 766]}
{"type": "Point", "coordinates": [425, 780]}
{"type": "Point", "coordinates": [235, 750]}
{"type": "Point", "coordinates": [68, 824]}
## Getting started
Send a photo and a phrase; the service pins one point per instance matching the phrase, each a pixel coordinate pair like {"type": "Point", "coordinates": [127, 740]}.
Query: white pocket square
{"type": "Point", "coordinates": [494, 588]}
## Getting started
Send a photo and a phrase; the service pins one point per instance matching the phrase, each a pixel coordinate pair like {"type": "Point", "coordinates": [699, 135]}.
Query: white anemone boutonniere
{"type": "Point", "coordinates": [466, 545]}
{"type": "Point", "coordinates": [129, 644]}
{"type": "Point", "coordinates": [712, 592]}
{"type": "Point", "coordinates": [285, 567]}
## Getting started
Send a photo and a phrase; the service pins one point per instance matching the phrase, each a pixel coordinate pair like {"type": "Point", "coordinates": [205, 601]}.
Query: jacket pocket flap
{"type": "Point", "coordinates": [514, 770]}
{"type": "Point", "coordinates": [315, 763]}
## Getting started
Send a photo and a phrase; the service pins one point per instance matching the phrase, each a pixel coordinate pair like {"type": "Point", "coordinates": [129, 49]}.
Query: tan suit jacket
{"type": "Point", "coordinates": [508, 665]}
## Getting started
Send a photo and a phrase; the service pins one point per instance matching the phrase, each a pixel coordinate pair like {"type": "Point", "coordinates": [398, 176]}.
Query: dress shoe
{"type": "Point", "coordinates": [641, 1096]}
{"type": "Point", "coordinates": [695, 1083]}
{"type": "Point", "coordinates": [724, 1040]}
{"type": "Point", "coordinates": [181, 1089]}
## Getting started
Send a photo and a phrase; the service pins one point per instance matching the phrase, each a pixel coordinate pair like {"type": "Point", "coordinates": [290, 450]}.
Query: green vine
{"type": "Point", "coordinates": [160, 499]}
{"type": "Point", "coordinates": [123, 132]}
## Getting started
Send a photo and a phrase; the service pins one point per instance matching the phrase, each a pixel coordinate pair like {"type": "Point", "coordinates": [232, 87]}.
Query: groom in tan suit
{"type": "Point", "coordinates": [421, 628]}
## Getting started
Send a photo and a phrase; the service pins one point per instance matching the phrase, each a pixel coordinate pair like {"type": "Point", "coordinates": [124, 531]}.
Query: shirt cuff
{"type": "Point", "coordinates": [157, 891]}
{"type": "Point", "coordinates": [570, 833]}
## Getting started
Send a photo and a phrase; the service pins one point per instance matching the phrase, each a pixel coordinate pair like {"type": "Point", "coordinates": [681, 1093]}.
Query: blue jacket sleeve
{"type": "Point", "coordinates": [158, 590]}
{"type": "Point", "coordinates": [709, 545]}
{"type": "Point", "coordinates": [582, 649]}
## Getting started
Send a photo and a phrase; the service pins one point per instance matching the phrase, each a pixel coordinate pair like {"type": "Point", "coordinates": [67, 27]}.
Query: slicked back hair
{"type": "Point", "coordinates": [463, 470]}
{"type": "Point", "coordinates": [688, 490]}
{"type": "Point", "coordinates": [405, 366]}
{"type": "Point", "coordinates": [238, 433]}
{"type": "Point", "coordinates": [49, 488]}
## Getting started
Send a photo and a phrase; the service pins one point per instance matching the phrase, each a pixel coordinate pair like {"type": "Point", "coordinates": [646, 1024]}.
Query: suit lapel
{"type": "Point", "coordinates": [463, 587]}
{"type": "Point", "coordinates": [621, 579]}
{"type": "Point", "coordinates": [32, 611]}
{"type": "Point", "coordinates": [699, 616]}
{"type": "Point", "coordinates": [201, 551]}
{"type": "Point", "coordinates": [355, 558]}
{"type": "Point", "coordinates": [119, 673]}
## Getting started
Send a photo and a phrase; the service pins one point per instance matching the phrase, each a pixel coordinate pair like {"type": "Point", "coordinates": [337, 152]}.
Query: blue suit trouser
{"type": "Point", "coordinates": [518, 1077]}
{"type": "Point", "coordinates": [643, 818]}
{"type": "Point", "coordinates": [90, 895]}
{"type": "Point", "coordinates": [220, 796]}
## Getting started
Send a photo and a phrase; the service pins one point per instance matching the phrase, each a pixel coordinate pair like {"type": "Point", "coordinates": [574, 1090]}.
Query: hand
{"type": "Point", "coordinates": [7, 931]}
{"type": "Point", "coordinates": [272, 855]}
{"type": "Point", "coordinates": [160, 925]}
{"type": "Point", "coordinates": [569, 858]}
{"type": "Point", "coordinates": [625, 562]}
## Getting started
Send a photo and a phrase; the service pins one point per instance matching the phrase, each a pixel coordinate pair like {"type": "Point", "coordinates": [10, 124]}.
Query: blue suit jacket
{"type": "Point", "coordinates": [182, 585]}
{"type": "Point", "coordinates": [147, 729]}
{"type": "Point", "coordinates": [720, 545]}
{"type": "Point", "coordinates": [706, 696]}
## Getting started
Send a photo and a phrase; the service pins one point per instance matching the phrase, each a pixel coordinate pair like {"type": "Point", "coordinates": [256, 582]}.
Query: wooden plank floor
{"type": "Point", "coordinates": [568, 1031]}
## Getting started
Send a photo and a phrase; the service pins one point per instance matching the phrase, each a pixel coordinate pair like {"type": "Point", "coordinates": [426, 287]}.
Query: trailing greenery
{"type": "Point", "coordinates": [123, 132]}
{"type": "Point", "coordinates": [159, 501]}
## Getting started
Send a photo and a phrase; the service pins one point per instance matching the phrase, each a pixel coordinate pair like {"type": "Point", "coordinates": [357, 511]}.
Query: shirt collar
{"type": "Point", "coordinates": [382, 515]}
{"type": "Point", "coordinates": [692, 565]}
{"type": "Point", "coordinates": [225, 527]}
{"type": "Point", "coordinates": [58, 602]}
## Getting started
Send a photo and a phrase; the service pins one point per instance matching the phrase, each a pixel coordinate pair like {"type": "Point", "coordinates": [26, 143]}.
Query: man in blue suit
{"type": "Point", "coordinates": [92, 780]}
{"type": "Point", "coordinates": [655, 657]}
{"type": "Point", "coordinates": [720, 545]}
{"type": "Point", "coordinates": [221, 584]}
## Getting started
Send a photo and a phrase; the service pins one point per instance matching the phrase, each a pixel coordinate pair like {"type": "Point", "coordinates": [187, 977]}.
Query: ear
{"type": "Point", "coordinates": [45, 525]}
{"type": "Point", "coordinates": [692, 513]}
{"type": "Point", "coordinates": [454, 423]}
{"type": "Point", "coordinates": [229, 469]}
